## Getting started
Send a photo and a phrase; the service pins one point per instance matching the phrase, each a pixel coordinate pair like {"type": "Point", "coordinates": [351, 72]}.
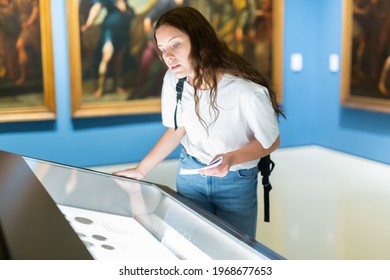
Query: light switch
{"type": "Point", "coordinates": [333, 62]}
{"type": "Point", "coordinates": [296, 62]}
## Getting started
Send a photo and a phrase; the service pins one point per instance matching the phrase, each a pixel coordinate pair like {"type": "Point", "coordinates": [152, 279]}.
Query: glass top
{"type": "Point", "coordinates": [121, 218]}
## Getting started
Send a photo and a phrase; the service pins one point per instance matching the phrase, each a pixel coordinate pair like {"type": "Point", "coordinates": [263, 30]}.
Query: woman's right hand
{"type": "Point", "coordinates": [133, 173]}
{"type": "Point", "coordinates": [169, 141]}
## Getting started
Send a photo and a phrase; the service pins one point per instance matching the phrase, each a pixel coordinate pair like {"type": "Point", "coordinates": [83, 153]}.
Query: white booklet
{"type": "Point", "coordinates": [215, 163]}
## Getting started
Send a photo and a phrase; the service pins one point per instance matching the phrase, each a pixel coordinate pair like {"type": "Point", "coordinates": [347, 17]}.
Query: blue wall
{"type": "Point", "coordinates": [311, 102]}
{"type": "Point", "coordinates": [299, 93]}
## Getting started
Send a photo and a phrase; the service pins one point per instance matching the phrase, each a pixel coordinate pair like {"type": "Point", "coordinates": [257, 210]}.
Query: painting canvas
{"type": "Point", "coordinates": [115, 69]}
{"type": "Point", "coordinates": [26, 61]}
{"type": "Point", "coordinates": [366, 55]}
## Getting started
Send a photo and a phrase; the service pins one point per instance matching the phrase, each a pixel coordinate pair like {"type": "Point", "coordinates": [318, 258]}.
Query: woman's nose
{"type": "Point", "coordinates": [168, 56]}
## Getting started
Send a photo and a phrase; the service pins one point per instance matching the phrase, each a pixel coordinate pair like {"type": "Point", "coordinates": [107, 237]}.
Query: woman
{"type": "Point", "coordinates": [226, 110]}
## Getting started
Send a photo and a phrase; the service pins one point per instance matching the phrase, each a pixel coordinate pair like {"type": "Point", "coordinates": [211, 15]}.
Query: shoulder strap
{"type": "Point", "coordinates": [266, 165]}
{"type": "Point", "coordinates": [179, 93]}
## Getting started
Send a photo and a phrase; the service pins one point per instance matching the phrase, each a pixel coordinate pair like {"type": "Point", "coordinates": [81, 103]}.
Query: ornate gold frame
{"type": "Point", "coordinates": [348, 98]}
{"type": "Point", "coordinates": [150, 105]}
{"type": "Point", "coordinates": [80, 109]}
{"type": "Point", "coordinates": [277, 47]}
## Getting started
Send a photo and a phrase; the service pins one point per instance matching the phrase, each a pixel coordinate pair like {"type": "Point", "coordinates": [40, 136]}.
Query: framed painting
{"type": "Point", "coordinates": [27, 91]}
{"type": "Point", "coordinates": [115, 69]}
{"type": "Point", "coordinates": [366, 55]}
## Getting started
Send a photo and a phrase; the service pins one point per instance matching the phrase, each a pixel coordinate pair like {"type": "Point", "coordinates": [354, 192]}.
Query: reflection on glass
{"type": "Point", "coordinates": [119, 218]}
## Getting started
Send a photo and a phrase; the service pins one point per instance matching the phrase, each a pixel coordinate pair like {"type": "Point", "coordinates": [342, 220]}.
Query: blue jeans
{"type": "Point", "coordinates": [232, 198]}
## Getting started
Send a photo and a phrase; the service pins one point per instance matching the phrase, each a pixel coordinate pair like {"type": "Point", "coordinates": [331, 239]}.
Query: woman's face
{"type": "Point", "coordinates": [175, 48]}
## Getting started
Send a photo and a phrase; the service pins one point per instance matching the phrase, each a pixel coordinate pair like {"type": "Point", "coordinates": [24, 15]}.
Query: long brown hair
{"type": "Point", "coordinates": [210, 56]}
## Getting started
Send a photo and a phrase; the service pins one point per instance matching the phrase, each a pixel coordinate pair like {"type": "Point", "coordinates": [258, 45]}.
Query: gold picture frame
{"type": "Point", "coordinates": [365, 58]}
{"type": "Point", "coordinates": [26, 82]}
{"type": "Point", "coordinates": [277, 48]}
{"type": "Point", "coordinates": [86, 98]}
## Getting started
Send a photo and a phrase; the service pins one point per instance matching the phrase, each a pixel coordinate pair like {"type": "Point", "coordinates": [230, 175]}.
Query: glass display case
{"type": "Point", "coordinates": [54, 211]}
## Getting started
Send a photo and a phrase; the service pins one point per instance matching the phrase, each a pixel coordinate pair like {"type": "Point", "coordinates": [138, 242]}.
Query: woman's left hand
{"type": "Point", "coordinates": [221, 170]}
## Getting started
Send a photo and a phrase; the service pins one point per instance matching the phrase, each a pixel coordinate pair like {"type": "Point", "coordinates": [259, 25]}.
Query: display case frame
{"type": "Point", "coordinates": [166, 216]}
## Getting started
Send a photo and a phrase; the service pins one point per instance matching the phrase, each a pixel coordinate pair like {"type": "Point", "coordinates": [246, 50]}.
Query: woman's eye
{"type": "Point", "coordinates": [176, 45]}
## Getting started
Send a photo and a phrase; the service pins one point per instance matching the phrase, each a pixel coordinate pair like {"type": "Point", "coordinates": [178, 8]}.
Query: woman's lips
{"type": "Point", "coordinates": [175, 67]}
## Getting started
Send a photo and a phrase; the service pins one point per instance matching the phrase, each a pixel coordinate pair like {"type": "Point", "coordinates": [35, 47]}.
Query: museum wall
{"type": "Point", "coordinates": [311, 100]}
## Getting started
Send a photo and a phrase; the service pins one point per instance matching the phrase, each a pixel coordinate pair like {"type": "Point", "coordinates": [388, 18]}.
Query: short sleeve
{"type": "Point", "coordinates": [260, 115]}
{"type": "Point", "coordinates": [168, 99]}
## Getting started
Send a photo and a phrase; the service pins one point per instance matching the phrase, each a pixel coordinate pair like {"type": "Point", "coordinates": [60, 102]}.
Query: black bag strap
{"type": "Point", "coordinates": [266, 165]}
{"type": "Point", "coordinates": [179, 93]}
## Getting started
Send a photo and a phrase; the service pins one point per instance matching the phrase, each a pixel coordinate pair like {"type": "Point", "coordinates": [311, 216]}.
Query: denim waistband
{"type": "Point", "coordinates": [184, 153]}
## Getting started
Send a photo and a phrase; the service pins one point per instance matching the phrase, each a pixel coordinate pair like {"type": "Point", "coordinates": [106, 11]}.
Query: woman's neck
{"type": "Point", "coordinates": [204, 86]}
